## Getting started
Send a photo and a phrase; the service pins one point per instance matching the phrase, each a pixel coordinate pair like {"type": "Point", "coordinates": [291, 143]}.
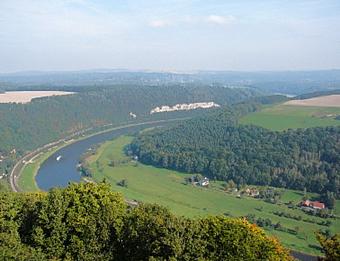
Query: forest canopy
{"type": "Point", "coordinates": [27, 126]}
{"type": "Point", "coordinates": [90, 222]}
{"type": "Point", "coordinates": [218, 147]}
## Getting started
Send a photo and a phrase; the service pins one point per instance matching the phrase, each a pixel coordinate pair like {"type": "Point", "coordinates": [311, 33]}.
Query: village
{"type": "Point", "coordinates": [267, 194]}
{"type": "Point", "coordinates": [185, 107]}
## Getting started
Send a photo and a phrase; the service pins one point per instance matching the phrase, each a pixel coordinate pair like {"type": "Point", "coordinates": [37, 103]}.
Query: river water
{"type": "Point", "coordinates": [58, 173]}
{"type": "Point", "coordinates": [53, 173]}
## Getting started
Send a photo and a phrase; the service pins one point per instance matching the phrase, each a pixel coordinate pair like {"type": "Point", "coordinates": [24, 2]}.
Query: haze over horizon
{"type": "Point", "coordinates": [188, 35]}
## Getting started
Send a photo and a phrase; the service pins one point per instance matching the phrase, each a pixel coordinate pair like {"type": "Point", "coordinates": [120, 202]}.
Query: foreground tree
{"type": "Point", "coordinates": [152, 231]}
{"type": "Point", "coordinates": [80, 222]}
{"type": "Point", "coordinates": [330, 246]}
{"type": "Point", "coordinates": [90, 222]}
{"type": "Point", "coordinates": [237, 239]}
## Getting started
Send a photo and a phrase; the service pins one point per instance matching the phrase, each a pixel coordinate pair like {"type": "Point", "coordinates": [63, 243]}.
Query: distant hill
{"type": "Point", "coordinates": [27, 126]}
{"type": "Point", "coordinates": [317, 94]}
{"type": "Point", "coordinates": [288, 82]}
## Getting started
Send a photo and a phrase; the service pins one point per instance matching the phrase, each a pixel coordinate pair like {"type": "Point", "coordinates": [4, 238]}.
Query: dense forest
{"type": "Point", "coordinates": [26, 126]}
{"type": "Point", "coordinates": [218, 147]}
{"type": "Point", "coordinates": [90, 222]}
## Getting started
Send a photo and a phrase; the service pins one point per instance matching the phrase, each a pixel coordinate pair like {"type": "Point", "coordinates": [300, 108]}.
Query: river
{"type": "Point", "coordinates": [53, 173]}
{"type": "Point", "coordinates": [58, 173]}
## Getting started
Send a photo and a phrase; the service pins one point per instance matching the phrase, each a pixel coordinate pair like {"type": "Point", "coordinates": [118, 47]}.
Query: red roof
{"type": "Point", "coordinates": [313, 204]}
{"type": "Point", "coordinates": [317, 204]}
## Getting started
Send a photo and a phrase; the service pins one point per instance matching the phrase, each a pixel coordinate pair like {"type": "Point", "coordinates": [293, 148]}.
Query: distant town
{"type": "Point", "coordinates": [185, 107]}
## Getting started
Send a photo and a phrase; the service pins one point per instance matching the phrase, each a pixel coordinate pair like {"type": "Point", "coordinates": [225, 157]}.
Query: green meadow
{"type": "Point", "coordinates": [281, 117]}
{"type": "Point", "coordinates": [26, 181]}
{"type": "Point", "coordinates": [166, 187]}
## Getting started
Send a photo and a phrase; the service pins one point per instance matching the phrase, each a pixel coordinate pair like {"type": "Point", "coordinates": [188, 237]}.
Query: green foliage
{"type": "Point", "coordinates": [14, 209]}
{"type": "Point", "coordinates": [4, 185]}
{"type": "Point", "coordinates": [167, 188]}
{"type": "Point", "coordinates": [157, 233]}
{"type": "Point", "coordinates": [27, 126]}
{"type": "Point", "coordinates": [330, 199]}
{"type": "Point", "coordinates": [218, 147]}
{"type": "Point", "coordinates": [223, 236]}
{"type": "Point", "coordinates": [154, 232]}
{"type": "Point", "coordinates": [89, 222]}
{"type": "Point", "coordinates": [78, 222]}
{"type": "Point", "coordinates": [330, 246]}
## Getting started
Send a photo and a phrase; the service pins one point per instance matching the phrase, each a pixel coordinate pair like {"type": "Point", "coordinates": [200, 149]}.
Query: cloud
{"type": "Point", "coordinates": [159, 23]}
{"type": "Point", "coordinates": [220, 20]}
{"type": "Point", "coordinates": [192, 20]}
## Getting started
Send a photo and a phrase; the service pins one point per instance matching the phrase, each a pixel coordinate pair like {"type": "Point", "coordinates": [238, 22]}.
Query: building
{"type": "Point", "coordinates": [313, 204]}
{"type": "Point", "coordinates": [204, 182]}
{"type": "Point", "coordinates": [252, 192]}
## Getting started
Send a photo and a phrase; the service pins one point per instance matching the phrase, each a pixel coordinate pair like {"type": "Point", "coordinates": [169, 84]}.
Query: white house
{"type": "Point", "coordinates": [204, 182]}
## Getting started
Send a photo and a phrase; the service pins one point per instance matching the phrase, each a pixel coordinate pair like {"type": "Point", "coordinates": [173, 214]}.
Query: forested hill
{"type": "Point", "coordinates": [27, 126]}
{"type": "Point", "coordinates": [218, 147]}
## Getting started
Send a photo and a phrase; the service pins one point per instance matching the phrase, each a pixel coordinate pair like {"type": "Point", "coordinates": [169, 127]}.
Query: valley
{"type": "Point", "coordinates": [168, 188]}
{"type": "Point", "coordinates": [149, 184]}
{"type": "Point", "coordinates": [169, 130]}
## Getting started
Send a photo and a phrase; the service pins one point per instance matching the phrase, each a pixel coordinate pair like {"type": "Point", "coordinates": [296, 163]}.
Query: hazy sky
{"type": "Point", "coordinates": [169, 34]}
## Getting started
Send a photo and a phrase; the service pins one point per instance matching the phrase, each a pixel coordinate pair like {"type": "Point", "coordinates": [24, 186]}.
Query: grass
{"type": "Point", "coordinates": [281, 117]}
{"type": "Point", "coordinates": [27, 175]}
{"type": "Point", "coordinates": [167, 188]}
{"type": "Point", "coordinates": [4, 185]}
{"type": "Point", "coordinates": [26, 181]}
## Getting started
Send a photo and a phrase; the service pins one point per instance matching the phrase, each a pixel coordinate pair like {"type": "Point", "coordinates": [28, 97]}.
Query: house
{"type": "Point", "coordinates": [252, 192]}
{"type": "Point", "coordinates": [204, 182]}
{"type": "Point", "coordinates": [132, 115]}
{"type": "Point", "coordinates": [313, 204]}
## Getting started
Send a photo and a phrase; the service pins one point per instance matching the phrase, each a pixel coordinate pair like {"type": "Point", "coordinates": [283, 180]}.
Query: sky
{"type": "Point", "coordinates": [169, 35]}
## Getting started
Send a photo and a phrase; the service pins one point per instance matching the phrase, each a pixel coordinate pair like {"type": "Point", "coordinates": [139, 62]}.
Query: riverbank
{"type": "Point", "coordinates": [24, 173]}
{"type": "Point", "coordinates": [26, 181]}
{"type": "Point", "coordinates": [145, 183]}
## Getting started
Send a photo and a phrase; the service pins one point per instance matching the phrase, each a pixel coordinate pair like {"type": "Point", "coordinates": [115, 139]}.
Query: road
{"type": "Point", "coordinates": [14, 175]}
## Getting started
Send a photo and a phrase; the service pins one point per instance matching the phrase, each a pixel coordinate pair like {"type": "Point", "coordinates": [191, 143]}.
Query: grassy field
{"type": "Point", "coordinates": [281, 117]}
{"type": "Point", "coordinates": [166, 187]}
{"type": "Point", "coordinates": [4, 185]}
{"type": "Point", "coordinates": [26, 180]}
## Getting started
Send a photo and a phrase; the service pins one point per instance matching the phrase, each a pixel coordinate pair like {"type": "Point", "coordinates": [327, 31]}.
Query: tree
{"type": "Point", "coordinates": [89, 222]}
{"type": "Point", "coordinates": [152, 231]}
{"type": "Point", "coordinates": [82, 221]}
{"type": "Point", "coordinates": [230, 184]}
{"type": "Point", "coordinates": [123, 183]}
{"type": "Point", "coordinates": [221, 235]}
{"type": "Point", "coordinates": [216, 146]}
{"type": "Point", "coordinates": [330, 246]}
{"type": "Point", "coordinates": [329, 199]}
